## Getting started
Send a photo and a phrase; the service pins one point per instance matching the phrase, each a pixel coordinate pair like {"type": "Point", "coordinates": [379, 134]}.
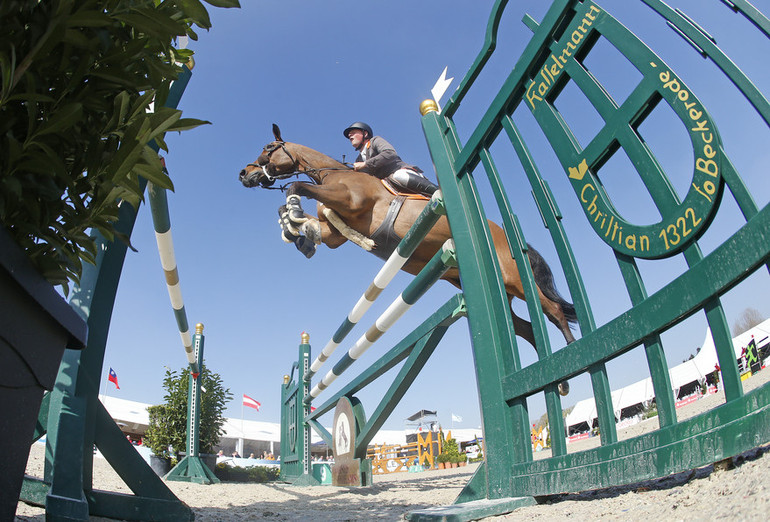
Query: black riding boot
{"type": "Point", "coordinates": [418, 184]}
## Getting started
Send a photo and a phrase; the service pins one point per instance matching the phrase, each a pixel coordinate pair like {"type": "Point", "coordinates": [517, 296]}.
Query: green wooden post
{"type": "Point", "coordinates": [295, 431]}
{"type": "Point", "coordinates": [507, 435]}
{"type": "Point", "coordinates": [192, 468]}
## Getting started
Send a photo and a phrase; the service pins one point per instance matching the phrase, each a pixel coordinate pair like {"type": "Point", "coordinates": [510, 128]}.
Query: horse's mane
{"type": "Point", "coordinates": [316, 159]}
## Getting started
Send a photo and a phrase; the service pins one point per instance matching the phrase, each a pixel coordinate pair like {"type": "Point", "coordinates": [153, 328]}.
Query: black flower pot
{"type": "Point", "coordinates": [160, 465]}
{"type": "Point", "coordinates": [36, 325]}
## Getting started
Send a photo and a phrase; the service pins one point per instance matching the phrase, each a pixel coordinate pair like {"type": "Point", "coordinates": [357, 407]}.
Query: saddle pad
{"type": "Point", "coordinates": [407, 195]}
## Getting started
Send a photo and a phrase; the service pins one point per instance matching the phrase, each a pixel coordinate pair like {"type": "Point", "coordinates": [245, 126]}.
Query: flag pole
{"type": "Point", "coordinates": [242, 434]}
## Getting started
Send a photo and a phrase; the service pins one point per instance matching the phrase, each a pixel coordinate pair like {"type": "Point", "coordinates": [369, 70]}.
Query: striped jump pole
{"type": "Point", "coordinates": [406, 247]}
{"type": "Point", "coordinates": [162, 224]}
{"type": "Point", "coordinates": [432, 272]}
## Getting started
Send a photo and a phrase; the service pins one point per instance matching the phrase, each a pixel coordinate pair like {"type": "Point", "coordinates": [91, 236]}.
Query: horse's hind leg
{"type": "Point", "coordinates": [523, 328]}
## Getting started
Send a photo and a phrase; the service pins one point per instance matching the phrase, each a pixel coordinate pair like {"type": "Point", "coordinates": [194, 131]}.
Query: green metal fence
{"type": "Point", "coordinates": [554, 59]}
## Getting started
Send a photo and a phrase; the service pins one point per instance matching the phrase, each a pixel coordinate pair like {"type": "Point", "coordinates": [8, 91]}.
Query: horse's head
{"type": "Point", "coordinates": [275, 162]}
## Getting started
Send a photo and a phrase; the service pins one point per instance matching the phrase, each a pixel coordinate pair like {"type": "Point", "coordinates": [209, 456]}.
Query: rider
{"type": "Point", "coordinates": [378, 158]}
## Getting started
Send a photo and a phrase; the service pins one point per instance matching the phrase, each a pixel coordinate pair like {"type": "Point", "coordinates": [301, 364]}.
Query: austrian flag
{"type": "Point", "coordinates": [251, 403]}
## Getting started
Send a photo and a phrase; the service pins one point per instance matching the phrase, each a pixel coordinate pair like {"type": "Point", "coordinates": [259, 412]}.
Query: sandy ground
{"type": "Point", "coordinates": [741, 493]}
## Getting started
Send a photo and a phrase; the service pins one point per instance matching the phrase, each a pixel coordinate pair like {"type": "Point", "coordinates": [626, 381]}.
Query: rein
{"type": "Point", "coordinates": [309, 172]}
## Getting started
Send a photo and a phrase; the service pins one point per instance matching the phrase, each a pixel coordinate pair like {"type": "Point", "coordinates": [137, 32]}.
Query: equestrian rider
{"type": "Point", "coordinates": [378, 158]}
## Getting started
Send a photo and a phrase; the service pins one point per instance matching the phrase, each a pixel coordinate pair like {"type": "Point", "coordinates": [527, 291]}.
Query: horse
{"type": "Point", "coordinates": [352, 205]}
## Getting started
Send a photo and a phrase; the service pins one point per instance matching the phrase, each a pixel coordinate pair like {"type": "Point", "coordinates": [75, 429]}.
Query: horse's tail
{"type": "Point", "coordinates": [544, 280]}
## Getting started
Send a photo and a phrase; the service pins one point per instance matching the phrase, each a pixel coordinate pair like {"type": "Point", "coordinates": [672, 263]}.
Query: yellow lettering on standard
{"type": "Point", "coordinates": [699, 191]}
{"type": "Point", "coordinates": [707, 166]}
{"type": "Point", "coordinates": [584, 23]}
{"type": "Point", "coordinates": [531, 95]}
{"type": "Point", "coordinates": [556, 67]}
{"type": "Point", "coordinates": [583, 192]}
{"type": "Point", "coordinates": [701, 126]}
{"type": "Point", "coordinates": [593, 8]}
{"type": "Point", "coordinates": [619, 230]}
{"type": "Point", "coordinates": [631, 242]}
{"type": "Point", "coordinates": [644, 243]}
{"type": "Point", "coordinates": [542, 89]}
{"type": "Point", "coordinates": [576, 34]}
{"type": "Point", "coordinates": [544, 74]}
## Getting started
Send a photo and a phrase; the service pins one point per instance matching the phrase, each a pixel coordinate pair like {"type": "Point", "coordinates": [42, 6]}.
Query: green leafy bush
{"type": "Point", "coordinates": [450, 452]}
{"type": "Point", "coordinates": [168, 421]}
{"type": "Point", "coordinates": [258, 474]}
{"type": "Point", "coordinates": [76, 80]}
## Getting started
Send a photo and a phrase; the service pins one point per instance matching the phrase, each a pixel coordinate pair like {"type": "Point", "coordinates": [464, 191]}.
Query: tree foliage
{"type": "Point", "coordinates": [750, 318]}
{"type": "Point", "coordinates": [168, 421]}
{"type": "Point", "coordinates": [77, 80]}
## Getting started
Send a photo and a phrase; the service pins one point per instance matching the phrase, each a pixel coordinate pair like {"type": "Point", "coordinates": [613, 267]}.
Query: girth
{"type": "Point", "coordinates": [385, 238]}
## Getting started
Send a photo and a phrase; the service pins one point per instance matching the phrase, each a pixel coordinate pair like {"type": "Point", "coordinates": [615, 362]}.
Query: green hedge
{"type": "Point", "coordinates": [258, 474]}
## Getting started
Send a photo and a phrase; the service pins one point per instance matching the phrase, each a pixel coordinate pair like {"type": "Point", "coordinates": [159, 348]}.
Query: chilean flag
{"type": "Point", "coordinates": [113, 378]}
{"type": "Point", "coordinates": [251, 403]}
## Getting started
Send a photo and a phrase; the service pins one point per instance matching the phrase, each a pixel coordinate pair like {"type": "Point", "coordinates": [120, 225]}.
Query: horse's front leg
{"type": "Point", "coordinates": [294, 211]}
{"type": "Point", "coordinates": [337, 195]}
{"type": "Point", "coordinates": [302, 236]}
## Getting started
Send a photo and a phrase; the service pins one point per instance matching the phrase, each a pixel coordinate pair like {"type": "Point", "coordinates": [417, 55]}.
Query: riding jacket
{"type": "Point", "coordinates": [381, 158]}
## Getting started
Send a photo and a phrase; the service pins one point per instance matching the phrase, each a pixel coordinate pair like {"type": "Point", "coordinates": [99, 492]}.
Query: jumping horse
{"type": "Point", "coordinates": [353, 205]}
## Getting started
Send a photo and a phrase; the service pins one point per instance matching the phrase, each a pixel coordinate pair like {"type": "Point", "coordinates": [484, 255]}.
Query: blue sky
{"type": "Point", "coordinates": [313, 68]}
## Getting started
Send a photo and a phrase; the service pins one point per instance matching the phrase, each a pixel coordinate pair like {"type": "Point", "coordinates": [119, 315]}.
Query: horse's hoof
{"type": "Point", "coordinates": [305, 246]}
{"type": "Point", "coordinates": [311, 229]}
{"type": "Point", "coordinates": [564, 388]}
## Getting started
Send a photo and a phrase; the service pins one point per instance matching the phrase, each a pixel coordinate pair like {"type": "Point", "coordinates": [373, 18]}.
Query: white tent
{"type": "Point", "coordinates": [696, 369]}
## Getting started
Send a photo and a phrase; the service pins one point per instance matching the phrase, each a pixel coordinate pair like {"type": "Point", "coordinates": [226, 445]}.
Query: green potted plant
{"type": "Point", "coordinates": [452, 450]}
{"type": "Point", "coordinates": [462, 459]}
{"type": "Point", "coordinates": [442, 460]}
{"type": "Point", "coordinates": [77, 80]}
{"type": "Point", "coordinates": [167, 432]}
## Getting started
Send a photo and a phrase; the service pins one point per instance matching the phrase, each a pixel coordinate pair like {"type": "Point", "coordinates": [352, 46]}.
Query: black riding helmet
{"type": "Point", "coordinates": [358, 125]}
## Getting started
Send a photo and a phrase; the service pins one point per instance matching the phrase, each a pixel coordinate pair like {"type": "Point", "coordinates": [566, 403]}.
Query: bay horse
{"type": "Point", "coordinates": [352, 205]}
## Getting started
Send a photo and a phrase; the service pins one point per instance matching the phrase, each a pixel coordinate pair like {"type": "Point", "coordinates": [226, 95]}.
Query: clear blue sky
{"type": "Point", "coordinates": [313, 68]}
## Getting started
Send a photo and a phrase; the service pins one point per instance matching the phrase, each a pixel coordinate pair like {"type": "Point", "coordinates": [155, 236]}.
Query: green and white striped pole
{"type": "Point", "coordinates": [406, 247]}
{"type": "Point", "coordinates": [432, 272]}
{"type": "Point", "coordinates": [162, 223]}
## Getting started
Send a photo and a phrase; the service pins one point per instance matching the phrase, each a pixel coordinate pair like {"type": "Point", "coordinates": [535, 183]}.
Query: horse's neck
{"type": "Point", "coordinates": [317, 160]}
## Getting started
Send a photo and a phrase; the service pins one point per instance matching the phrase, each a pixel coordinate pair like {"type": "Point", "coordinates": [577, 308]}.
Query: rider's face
{"type": "Point", "coordinates": [356, 137]}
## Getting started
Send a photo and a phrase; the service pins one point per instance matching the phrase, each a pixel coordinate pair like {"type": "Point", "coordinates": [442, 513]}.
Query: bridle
{"type": "Point", "coordinates": [269, 149]}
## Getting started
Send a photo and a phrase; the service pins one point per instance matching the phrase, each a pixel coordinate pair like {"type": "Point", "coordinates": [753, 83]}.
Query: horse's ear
{"type": "Point", "coordinates": [277, 133]}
